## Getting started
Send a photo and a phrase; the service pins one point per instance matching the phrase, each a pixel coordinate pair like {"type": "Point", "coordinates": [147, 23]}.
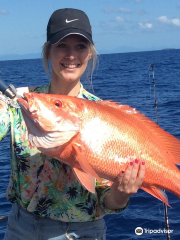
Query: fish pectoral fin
{"type": "Point", "coordinates": [77, 150]}
{"type": "Point", "coordinates": [85, 179]}
{"type": "Point", "coordinates": [157, 192]}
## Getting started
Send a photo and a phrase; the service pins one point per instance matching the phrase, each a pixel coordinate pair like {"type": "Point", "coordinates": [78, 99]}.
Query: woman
{"type": "Point", "coordinates": [47, 200]}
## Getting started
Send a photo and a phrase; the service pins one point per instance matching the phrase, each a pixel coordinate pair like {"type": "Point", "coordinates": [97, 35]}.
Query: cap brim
{"type": "Point", "coordinates": [64, 33]}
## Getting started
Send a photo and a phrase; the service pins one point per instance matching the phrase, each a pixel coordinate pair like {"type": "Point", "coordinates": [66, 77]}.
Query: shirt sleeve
{"type": "Point", "coordinates": [5, 125]}
{"type": "Point", "coordinates": [101, 193]}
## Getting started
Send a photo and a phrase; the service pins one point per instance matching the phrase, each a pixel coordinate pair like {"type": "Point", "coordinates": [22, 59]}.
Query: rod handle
{"type": "Point", "coordinates": [9, 91]}
{"type": "Point", "coordinates": [3, 86]}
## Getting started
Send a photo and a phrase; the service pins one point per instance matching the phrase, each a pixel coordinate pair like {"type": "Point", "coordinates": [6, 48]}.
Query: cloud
{"type": "Point", "coordinates": [116, 10]}
{"type": "Point", "coordinates": [106, 26]}
{"type": "Point", "coordinates": [166, 20]}
{"type": "Point", "coordinates": [3, 11]}
{"type": "Point", "coordinates": [138, 1]}
{"type": "Point", "coordinates": [119, 19]}
{"type": "Point", "coordinates": [140, 12]}
{"type": "Point", "coordinates": [145, 25]}
{"type": "Point", "coordinates": [175, 21]}
{"type": "Point", "coordinates": [123, 10]}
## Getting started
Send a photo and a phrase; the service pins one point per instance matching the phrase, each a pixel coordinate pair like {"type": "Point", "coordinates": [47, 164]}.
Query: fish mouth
{"type": "Point", "coordinates": [30, 110]}
{"type": "Point", "coordinates": [24, 103]}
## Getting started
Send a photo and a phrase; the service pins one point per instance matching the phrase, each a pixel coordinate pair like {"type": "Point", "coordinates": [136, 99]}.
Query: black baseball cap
{"type": "Point", "coordinates": [67, 21]}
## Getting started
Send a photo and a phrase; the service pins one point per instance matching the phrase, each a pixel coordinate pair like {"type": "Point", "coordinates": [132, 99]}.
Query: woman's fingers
{"type": "Point", "coordinates": [118, 181]}
{"type": "Point", "coordinates": [141, 174]}
{"type": "Point", "coordinates": [132, 179]}
{"type": "Point", "coordinates": [126, 184]}
{"type": "Point", "coordinates": [134, 174]}
{"type": "Point", "coordinates": [130, 175]}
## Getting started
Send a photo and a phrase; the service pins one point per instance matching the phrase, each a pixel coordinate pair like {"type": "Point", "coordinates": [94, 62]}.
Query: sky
{"type": "Point", "coordinates": [117, 25]}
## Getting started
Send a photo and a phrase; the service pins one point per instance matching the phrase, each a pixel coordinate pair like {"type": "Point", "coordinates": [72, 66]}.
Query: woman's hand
{"type": "Point", "coordinates": [126, 184]}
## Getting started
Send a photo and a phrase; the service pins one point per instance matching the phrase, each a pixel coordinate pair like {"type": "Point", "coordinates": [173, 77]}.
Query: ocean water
{"type": "Point", "coordinates": [126, 78]}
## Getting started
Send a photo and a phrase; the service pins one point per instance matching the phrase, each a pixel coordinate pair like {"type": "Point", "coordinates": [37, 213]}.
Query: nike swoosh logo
{"type": "Point", "coordinates": [68, 21]}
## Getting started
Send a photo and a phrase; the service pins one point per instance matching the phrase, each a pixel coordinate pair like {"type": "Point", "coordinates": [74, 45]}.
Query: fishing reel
{"type": "Point", "coordinates": [8, 94]}
{"type": "Point", "coordinates": [8, 91]}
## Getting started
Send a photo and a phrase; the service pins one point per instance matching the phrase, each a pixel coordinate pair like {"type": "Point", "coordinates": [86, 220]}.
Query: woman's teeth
{"type": "Point", "coordinates": [70, 66]}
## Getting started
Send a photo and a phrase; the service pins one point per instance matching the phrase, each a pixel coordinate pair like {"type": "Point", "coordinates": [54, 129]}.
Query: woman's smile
{"type": "Point", "coordinates": [70, 66]}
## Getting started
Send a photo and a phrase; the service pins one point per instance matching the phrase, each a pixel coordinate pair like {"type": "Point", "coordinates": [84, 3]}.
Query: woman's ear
{"type": "Point", "coordinates": [90, 55]}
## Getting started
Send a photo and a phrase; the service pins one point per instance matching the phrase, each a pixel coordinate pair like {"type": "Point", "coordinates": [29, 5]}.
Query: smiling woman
{"type": "Point", "coordinates": [82, 45]}
{"type": "Point", "coordinates": [48, 201]}
{"type": "Point", "coordinates": [91, 63]}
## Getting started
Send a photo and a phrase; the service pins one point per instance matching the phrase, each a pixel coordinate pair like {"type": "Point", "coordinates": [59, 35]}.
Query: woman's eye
{"type": "Point", "coordinates": [81, 46]}
{"type": "Point", "coordinates": [62, 46]}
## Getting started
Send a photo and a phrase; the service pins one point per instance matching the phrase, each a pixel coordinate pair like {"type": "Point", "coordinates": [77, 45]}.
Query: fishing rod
{"type": "Point", "coordinates": [157, 122]}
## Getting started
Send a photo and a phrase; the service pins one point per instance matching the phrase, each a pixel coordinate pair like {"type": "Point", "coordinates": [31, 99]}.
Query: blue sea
{"type": "Point", "coordinates": [126, 78]}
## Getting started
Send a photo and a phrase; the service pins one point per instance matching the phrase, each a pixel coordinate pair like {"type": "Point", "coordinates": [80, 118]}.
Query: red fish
{"type": "Point", "coordinates": [99, 139]}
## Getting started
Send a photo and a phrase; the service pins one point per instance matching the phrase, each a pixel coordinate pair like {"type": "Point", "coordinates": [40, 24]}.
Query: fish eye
{"type": "Point", "coordinates": [57, 103]}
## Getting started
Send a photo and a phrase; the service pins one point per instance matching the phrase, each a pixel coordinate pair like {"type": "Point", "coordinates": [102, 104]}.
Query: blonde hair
{"type": "Point", "coordinates": [90, 67]}
{"type": "Point", "coordinates": [45, 53]}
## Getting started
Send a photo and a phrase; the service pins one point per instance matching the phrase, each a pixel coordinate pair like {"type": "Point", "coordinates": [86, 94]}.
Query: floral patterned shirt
{"type": "Point", "coordinates": [43, 185]}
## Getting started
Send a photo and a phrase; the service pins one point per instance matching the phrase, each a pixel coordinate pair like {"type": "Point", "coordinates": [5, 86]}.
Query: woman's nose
{"type": "Point", "coordinates": [71, 54]}
{"type": "Point", "coordinates": [70, 57]}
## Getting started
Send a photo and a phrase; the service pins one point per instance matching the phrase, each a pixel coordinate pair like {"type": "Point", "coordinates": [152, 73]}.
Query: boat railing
{"type": "Point", "coordinates": [3, 218]}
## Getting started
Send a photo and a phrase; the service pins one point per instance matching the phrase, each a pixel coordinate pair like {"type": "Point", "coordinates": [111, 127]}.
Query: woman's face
{"type": "Point", "coordinates": [69, 58]}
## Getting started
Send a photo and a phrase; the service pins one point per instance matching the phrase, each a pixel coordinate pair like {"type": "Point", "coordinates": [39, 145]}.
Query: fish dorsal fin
{"type": "Point", "coordinates": [118, 106]}
{"type": "Point", "coordinates": [87, 180]}
{"type": "Point", "coordinates": [171, 143]}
